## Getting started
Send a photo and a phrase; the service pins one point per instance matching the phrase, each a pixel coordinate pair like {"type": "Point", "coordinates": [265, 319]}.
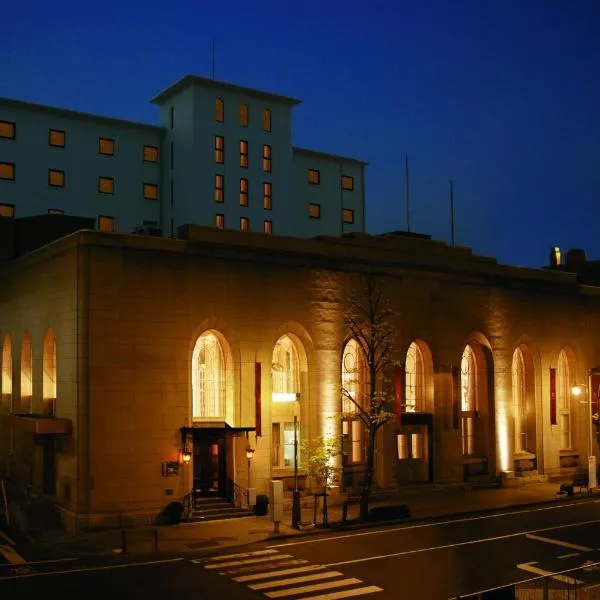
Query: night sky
{"type": "Point", "coordinates": [501, 96]}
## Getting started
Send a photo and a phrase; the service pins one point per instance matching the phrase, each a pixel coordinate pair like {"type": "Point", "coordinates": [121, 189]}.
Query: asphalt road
{"type": "Point", "coordinates": [433, 560]}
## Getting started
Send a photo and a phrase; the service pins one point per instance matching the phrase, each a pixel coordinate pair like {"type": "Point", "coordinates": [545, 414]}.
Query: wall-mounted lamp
{"type": "Point", "coordinates": [578, 389]}
{"type": "Point", "coordinates": [186, 457]}
{"type": "Point", "coordinates": [249, 453]}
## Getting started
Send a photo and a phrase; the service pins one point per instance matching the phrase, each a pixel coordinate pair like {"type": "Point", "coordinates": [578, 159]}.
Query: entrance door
{"type": "Point", "coordinates": [413, 454]}
{"type": "Point", "coordinates": [209, 466]}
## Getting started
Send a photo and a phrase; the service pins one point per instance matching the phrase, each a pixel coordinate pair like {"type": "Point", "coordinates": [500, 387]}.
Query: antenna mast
{"type": "Point", "coordinates": [452, 212]}
{"type": "Point", "coordinates": [407, 181]}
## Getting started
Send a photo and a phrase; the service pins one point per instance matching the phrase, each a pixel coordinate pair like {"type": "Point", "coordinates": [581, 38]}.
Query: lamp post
{"type": "Point", "coordinates": [577, 390]}
{"type": "Point", "coordinates": [249, 455]}
{"type": "Point", "coordinates": [296, 510]}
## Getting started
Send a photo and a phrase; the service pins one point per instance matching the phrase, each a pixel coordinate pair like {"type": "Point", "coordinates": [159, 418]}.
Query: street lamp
{"type": "Point", "coordinates": [296, 509]}
{"type": "Point", "coordinates": [577, 390]}
{"type": "Point", "coordinates": [249, 455]}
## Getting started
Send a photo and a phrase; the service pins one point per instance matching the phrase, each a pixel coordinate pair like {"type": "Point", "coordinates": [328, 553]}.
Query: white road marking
{"type": "Point", "coordinates": [88, 569]}
{"type": "Point", "coordinates": [435, 524]}
{"type": "Point", "coordinates": [274, 565]}
{"type": "Point", "coordinates": [529, 567]}
{"type": "Point", "coordinates": [293, 580]}
{"type": "Point", "coordinates": [317, 587]}
{"type": "Point", "coordinates": [42, 562]}
{"type": "Point", "coordinates": [246, 561]}
{"type": "Point", "coordinates": [370, 589]}
{"type": "Point", "coordinates": [541, 538]}
{"type": "Point", "coordinates": [9, 540]}
{"type": "Point", "coordinates": [570, 555]}
{"type": "Point", "coordinates": [12, 556]}
{"type": "Point", "coordinates": [240, 555]}
{"type": "Point", "coordinates": [269, 574]}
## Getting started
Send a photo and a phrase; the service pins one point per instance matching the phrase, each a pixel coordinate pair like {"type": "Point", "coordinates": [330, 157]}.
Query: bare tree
{"type": "Point", "coordinates": [367, 321]}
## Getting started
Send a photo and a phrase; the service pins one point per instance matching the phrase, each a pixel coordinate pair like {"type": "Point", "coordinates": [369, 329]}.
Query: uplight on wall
{"type": "Point", "coordinates": [285, 396]}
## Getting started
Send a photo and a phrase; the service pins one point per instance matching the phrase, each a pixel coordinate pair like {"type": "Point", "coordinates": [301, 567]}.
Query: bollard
{"type": "Point", "coordinates": [155, 536]}
{"type": "Point", "coordinates": [123, 541]}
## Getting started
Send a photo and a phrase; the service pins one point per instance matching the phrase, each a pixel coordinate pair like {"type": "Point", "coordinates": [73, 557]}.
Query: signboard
{"type": "Point", "coordinates": [553, 420]}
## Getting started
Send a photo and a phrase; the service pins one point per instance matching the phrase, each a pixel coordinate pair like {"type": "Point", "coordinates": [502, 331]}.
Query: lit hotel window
{"type": "Point", "coordinates": [219, 188]}
{"type": "Point", "coordinates": [151, 153]}
{"type": "Point", "coordinates": [267, 195]}
{"type": "Point", "coordinates": [347, 182]}
{"type": "Point", "coordinates": [348, 215]}
{"type": "Point", "coordinates": [219, 110]}
{"type": "Point", "coordinates": [56, 211]}
{"type": "Point", "coordinates": [106, 185]}
{"type": "Point", "coordinates": [266, 119]}
{"type": "Point", "coordinates": [244, 224]}
{"type": "Point", "coordinates": [56, 138]}
{"type": "Point", "coordinates": [220, 221]}
{"type": "Point", "coordinates": [266, 158]}
{"type": "Point", "coordinates": [243, 115]}
{"type": "Point", "coordinates": [7, 171]}
{"type": "Point", "coordinates": [268, 227]}
{"type": "Point", "coordinates": [150, 191]}
{"type": "Point", "coordinates": [314, 176]}
{"type": "Point", "coordinates": [106, 223]}
{"type": "Point", "coordinates": [106, 146]}
{"type": "Point", "coordinates": [7, 210]}
{"type": "Point", "coordinates": [8, 130]}
{"type": "Point", "coordinates": [314, 211]}
{"type": "Point", "coordinates": [243, 192]}
{"type": "Point", "coordinates": [219, 149]}
{"type": "Point", "coordinates": [56, 178]}
{"type": "Point", "coordinates": [243, 153]}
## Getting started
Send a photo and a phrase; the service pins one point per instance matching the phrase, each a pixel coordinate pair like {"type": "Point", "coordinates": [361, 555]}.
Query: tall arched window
{"type": "Point", "coordinates": [519, 401]}
{"type": "Point", "coordinates": [563, 389]}
{"type": "Point", "coordinates": [469, 400]}
{"type": "Point", "coordinates": [49, 374]}
{"type": "Point", "coordinates": [6, 381]}
{"type": "Point", "coordinates": [415, 379]}
{"type": "Point", "coordinates": [354, 380]}
{"type": "Point", "coordinates": [208, 378]}
{"type": "Point", "coordinates": [219, 110]}
{"type": "Point", "coordinates": [284, 370]}
{"type": "Point", "coordinates": [26, 374]}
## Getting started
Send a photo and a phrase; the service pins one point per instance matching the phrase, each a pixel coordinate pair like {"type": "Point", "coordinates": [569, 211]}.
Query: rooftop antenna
{"type": "Point", "coordinates": [407, 181]}
{"type": "Point", "coordinates": [452, 212]}
{"type": "Point", "coordinates": [213, 58]}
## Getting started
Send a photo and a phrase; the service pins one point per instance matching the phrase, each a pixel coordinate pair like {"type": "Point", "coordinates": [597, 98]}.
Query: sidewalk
{"type": "Point", "coordinates": [211, 536]}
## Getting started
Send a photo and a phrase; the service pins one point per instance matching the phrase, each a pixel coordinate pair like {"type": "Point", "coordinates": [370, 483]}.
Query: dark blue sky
{"type": "Point", "coordinates": [502, 96]}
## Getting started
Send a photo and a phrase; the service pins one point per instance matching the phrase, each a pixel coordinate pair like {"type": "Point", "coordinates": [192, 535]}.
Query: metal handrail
{"type": "Point", "coordinates": [236, 494]}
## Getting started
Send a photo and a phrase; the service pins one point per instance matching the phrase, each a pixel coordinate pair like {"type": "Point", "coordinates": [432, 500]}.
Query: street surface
{"type": "Point", "coordinates": [442, 559]}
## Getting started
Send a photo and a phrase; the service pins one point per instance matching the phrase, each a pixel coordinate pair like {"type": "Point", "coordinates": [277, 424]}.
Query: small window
{"type": "Point", "coordinates": [268, 227]}
{"type": "Point", "coordinates": [172, 116]}
{"type": "Point", "coordinates": [220, 221]}
{"type": "Point", "coordinates": [56, 211]}
{"type": "Point", "coordinates": [106, 223]}
{"type": "Point", "coordinates": [7, 210]}
{"type": "Point", "coordinates": [106, 185]}
{"type": "Point", "coordinates": [347, 182]}
{"type": "Point", "coordinates": [56, 138]}
{"type": "Point", "coordinates": [243, 192]}
{"type": "Point", "coordinates": [219, 110]}
{"type": "Point", "coordinates": [106, 146]}
{"type": "Point", "coordinates": [348, 215]}
{"type": "Point", "coordinates": [150, 191]}
{"type": "Point", "coordinates": [219, 188]}
{"type": "Point", "coordinates": [7, 171]}
{"type": "Point", "coordinates": [266, 158]}
{"type": "Point", "coordinates": [244, 224]}
{"type": "Point", "coordinates": [314, 211]}
{"type": "Point", "coordinates": [244, 153]}
{"type": "Point", "coordinates": [8, 130]}
{"type": "Point", "coordinates": [243, 120]}
{"type": "Point", "coordinates": [266, 119]}
{"type": "Point", "coordinates": [151, 153]}
{"type": "Point", "coordinates": [172, 155]}
{"type": "Point", "coordinates": [314, 176]}
{"type": "Point", "coordinates": [219, 149]}
{"type": "Point", "coordinates": [267, 195]}
{"type": "Point", "coordinates": [56, 178]}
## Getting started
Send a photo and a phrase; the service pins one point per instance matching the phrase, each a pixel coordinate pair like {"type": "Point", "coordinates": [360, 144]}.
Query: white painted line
{"type": "Point", "coordinates": [269, 574]}
{"type": "Point", "coordinates": [570, 555]}
{"type": "Point", "coordinates": [317, 587]}
{"type": "Point", "coordinates": [541, 538]}
{"type": "Point", "coordinates": [42, 562]}
{"type": "Point", "coordinates": [529, 567]}
{"type": "Point", "coordinates": [274, 565]}
{"type": "Point", "coordinates": [12, 556]}
{"type": "Point", "coordinates": [88, 569]}
{"type": "Point", "coordinates": [9, 540]}
{"type": "Point", "coordinates": [240, 555]}
{"type": "Point", "coordinates": [293, 580]}
{"type": "Point", "coordinates": [247, 561]}
{"type": "Point", "coordinates": [347, 593]}
{"type": "Point", "coordinates": [335, 538]}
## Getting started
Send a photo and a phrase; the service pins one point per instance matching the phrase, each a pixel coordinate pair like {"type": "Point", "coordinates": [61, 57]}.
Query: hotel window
{"type": "Point", "coordinates": [243, 153]}
{"type": "Point", "coordinates": [414, 373]}
{"type": "Point", "coordinates": [243, 120]}
{"type": "Point", "coordinates": [244, 224]}
{"type": "Point", "coordinates": [106, 185]}
{"type": "Point", "coordinates": [151, 153]}
{"type": "Point", "coordinates": [172, 155]}
{"type": "Point", "coordinates": [56, 178]}
{"type": "Point", "coordinates": [219, 188]}
{"type": "Point", "coordinates": [268, 227]}
{"type": "Point", "coordinates": [314, 176]}
{"type": "Point", "coordinates": [106, 146]}
{"type": "Point", "coordinates": [7, 171]}
{"type": "Point", "coordinates": [314, 211]}
{"type": "Point", "coordinates": [150, 191]}
{"type": "Point", "coordinates": [469, 400]}
{"type": "Point", "coordinates": [266, 158]}
{"type": "Point", "coordinates": [7, 210]}
{"type": "Point", "coordinates": [210, 379]}
{"type": "Point", "coordinates": [172, 116]}
{"type": "Point", "coordinates": [243, 192]}
{"type": "Point", "coordinates": [354, 397]}
{"type": "Point", "coordinates": [267, 195]}
{"type": "Point", "coordinates": [56, 138]}
{"type": "Point", "coordinates": [106, 223]}
{"type": "Point", "coordinates": [283, 444]}
{"type": "Point", "coordinates": [220, 221]}
{"type": "Point", "coordinates": [8, 130]}
{"type": "Point", "coordinates": [348, 215]}
{"type": "Point", "coordinates": [347, 182]}
{"type": "Point", "coordinates": [219, 149]}
{"type": "Point", "coordinates": [56, 211]}
{"type": "Point", "coordinates": [266, 119]}
{"type": "Point", "coordinates": [563, 392]}
{"type": "Point", "coordinates": [219, 110]}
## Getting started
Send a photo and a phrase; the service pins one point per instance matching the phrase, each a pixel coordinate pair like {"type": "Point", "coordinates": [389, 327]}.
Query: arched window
{"type": "Point", "coordinates": [354, 379]}
{"type": "Point", "coordinates": [208, 378]}
{"type": "Point", "coordinates": [49, 374]}
{"type": "Point", "coordinates": [284, 370]}
{"type": "Point", "coordinates": [6, 381]}
{"type": "Point", "coordinates": [519, 401]}
{"type": "Point", "coordinates": [563, 389]}
{"type": "Point", "coordinates": [219, 110]}
{"type": "Point", "coordinates": [415, 379]}
{"type": "Point", "coordinates": [468, 378]}
{"type": "Point", "coordinates": [26, 374]}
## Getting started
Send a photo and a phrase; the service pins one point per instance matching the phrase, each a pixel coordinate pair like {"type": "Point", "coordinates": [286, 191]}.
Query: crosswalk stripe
{"type": "Point", "coordinates": [303, 579]}
{"type": "Point", "coordinates": [370, 589]}
{"type": "Point", "coordinates": [313, 588]}
{"type": "Point", "coordinates": [563, 578]}
{"type": "Point", "coordinates": [239, 555]}
{"type": "Point", "coordinates": [247, 561]}
{"type": "Point", "coordinates": [272, 574]}
{"type": "Point", "coordinates": [541, 538]}
{"type": "Point", "coordinates": [11, 555]}
{"type": "Point", "coordinates": [274, 565]}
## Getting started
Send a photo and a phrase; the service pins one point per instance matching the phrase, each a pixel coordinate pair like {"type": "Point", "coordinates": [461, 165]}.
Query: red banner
{"type": "Point", "coordinates": [595, 389]}
{"type": "Point", "coordinates": [553, 420]}
{"type": "Point", "coordinates": [455, 374]}
{"type": "Point", "coordinates": [398, 394]}
{"type": "Point", "coordinates": [257, 404]}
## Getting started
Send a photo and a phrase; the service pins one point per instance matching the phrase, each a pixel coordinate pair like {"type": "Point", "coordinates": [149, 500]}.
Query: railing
{"type": "Point", "coordinates": [236, 494]}
{"type": "Point", "coordinates": [189, 504]}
